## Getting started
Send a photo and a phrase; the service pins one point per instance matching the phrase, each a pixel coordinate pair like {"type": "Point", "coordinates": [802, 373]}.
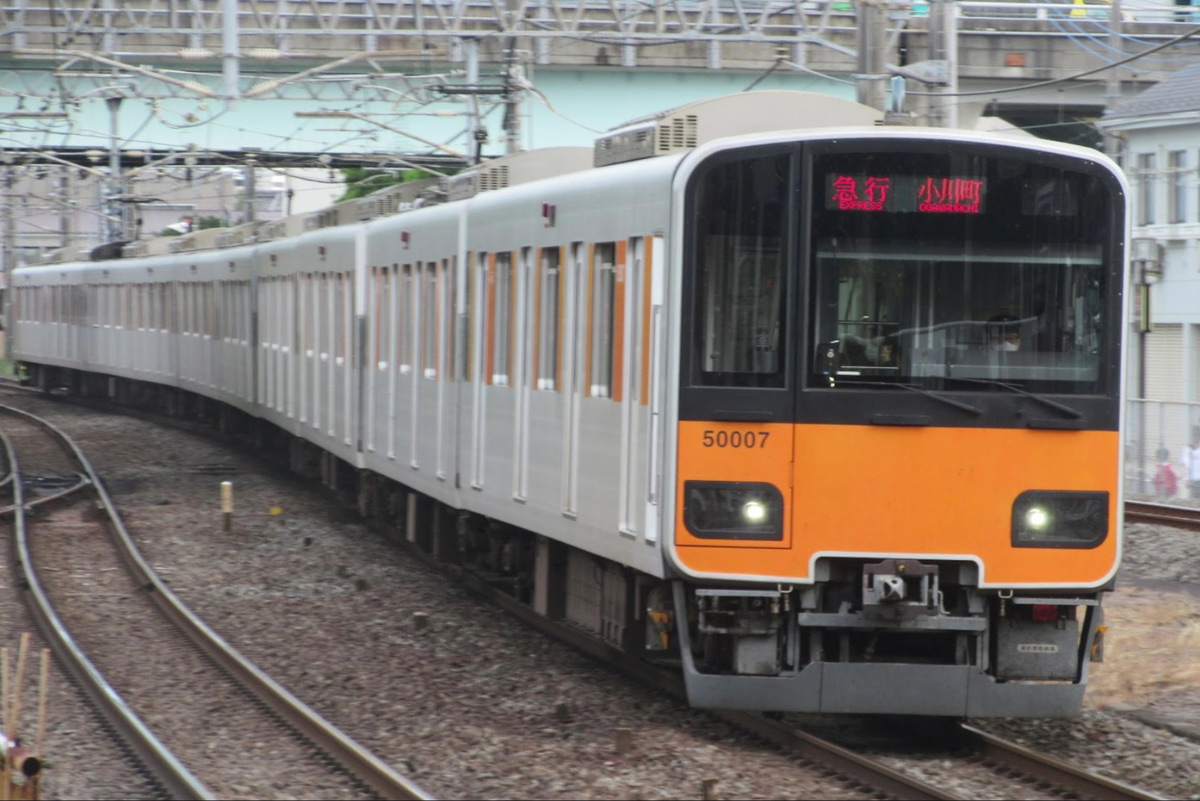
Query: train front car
{"type": "Point", "coordinates": [897, 451]}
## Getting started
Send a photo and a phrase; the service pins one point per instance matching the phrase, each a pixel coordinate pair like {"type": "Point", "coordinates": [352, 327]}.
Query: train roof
{"type": "Point", "coordinates": [689, 126]}
{"type": "Point", "coordinates": [760, 115]}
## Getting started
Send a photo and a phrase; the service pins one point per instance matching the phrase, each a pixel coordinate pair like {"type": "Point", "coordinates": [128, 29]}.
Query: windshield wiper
{"type": "Point", "coordinates": [966, 407]}
{"type": "Point", "coordinates": [1070, 411]}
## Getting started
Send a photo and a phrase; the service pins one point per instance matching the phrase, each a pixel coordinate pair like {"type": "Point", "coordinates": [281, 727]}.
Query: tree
{"type": "Point", "coordinates": [361, 181]}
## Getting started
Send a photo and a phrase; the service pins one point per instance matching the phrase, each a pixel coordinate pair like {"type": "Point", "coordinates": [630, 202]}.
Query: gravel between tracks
{"type": "Point", "coordinates": [467, 705]}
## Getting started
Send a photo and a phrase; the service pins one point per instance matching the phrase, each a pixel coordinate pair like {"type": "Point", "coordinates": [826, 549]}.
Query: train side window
{"type": "Point", "coordinates": [602, 318]}
{"type": "Point", "coordinates": [165, 319]}
{"type": "Point", "coordinates": [480, 362]}
{"type": "Point", "coordinates": [193, 309]}
{"type": "Point", "coordinates": [343, 319]}
{"type": "Point", "coordinates": [404, 313]}
{"type": "Point", "coordinates": [379, 292]}
{"type": "Point", "coordinates": [183, 297]}
{"type": "Point", "coordinates": [548, 319]}
{"type": "Point", "coordinates": [448, 335]}
{"type": "Point", "coordinates": [502, 318]}
{"type": "Point", "coordinates": [210, 324]}
{"type": "Point", "coordinates": [430, 320]}
{"type": "Point", "coordinates": [467, 368]}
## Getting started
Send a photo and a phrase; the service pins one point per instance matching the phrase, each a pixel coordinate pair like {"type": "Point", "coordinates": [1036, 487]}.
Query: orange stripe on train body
{"type": "Point", "coordinates": [893, 490]}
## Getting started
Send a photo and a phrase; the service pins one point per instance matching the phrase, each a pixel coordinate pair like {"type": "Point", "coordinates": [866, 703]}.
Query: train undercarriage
{"type": "Point", "coordinates": [896, 636]}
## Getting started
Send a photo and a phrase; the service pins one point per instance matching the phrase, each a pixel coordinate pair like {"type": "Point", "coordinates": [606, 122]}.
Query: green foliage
{"type": "Point", "coordinates": [361, 181]}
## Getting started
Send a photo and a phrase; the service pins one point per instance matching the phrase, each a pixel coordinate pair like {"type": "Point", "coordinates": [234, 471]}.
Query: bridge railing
{"type": "Point", "coordinates": [198, 25]}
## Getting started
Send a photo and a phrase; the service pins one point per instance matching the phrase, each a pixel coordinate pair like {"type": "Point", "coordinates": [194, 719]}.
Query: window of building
{"type": "Point", "coordinates": [1177, 200]}
{"type": "Point", "coordinates": [1146, 189]}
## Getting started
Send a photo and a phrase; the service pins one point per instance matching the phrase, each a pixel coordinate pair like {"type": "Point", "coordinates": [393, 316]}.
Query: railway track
{"type": "Point", "coordinates": [1069, 781]}
{"type": "Point", "coordinates": [1009, 761]}
{"type": "Point", "coordinates": [1161, 514]}
{"type": "Point", "coordinates": [169, 639]}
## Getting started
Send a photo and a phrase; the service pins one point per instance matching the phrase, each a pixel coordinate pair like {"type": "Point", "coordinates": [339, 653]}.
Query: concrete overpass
{"type": "Point", "coordinates": [425, 79]}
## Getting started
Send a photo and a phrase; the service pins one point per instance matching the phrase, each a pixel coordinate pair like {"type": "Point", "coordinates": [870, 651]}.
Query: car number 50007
{"type": "Point", "coordinates": [736, 439]}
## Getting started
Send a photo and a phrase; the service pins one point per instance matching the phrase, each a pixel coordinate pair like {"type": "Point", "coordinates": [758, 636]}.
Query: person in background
{"type": "Point", "coordinates": [1166, 484]}
{"type": "Point", "coordinates": [1191, 463]}
{"type": "Point", "coordinates": [888, 357]}
{"type": "Point", "coordinates": [1004, 333]}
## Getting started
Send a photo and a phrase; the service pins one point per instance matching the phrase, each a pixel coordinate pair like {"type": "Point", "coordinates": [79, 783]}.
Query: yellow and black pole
{"type": "Point", "coordinates": [227, 503]}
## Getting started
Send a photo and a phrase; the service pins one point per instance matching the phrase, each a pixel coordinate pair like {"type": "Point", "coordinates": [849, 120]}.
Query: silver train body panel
{"type": "Point", "coordinates": [301, 332]}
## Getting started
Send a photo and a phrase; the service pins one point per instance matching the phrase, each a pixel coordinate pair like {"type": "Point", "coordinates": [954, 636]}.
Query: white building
{"type": "Point", "coordinates": [1159, 132]}
{"type": "Point", "coordinates": [64, 208]}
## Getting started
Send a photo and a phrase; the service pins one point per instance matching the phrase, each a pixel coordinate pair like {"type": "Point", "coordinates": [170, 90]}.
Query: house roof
{"type": "Point", "coordinates": [1178, 92]}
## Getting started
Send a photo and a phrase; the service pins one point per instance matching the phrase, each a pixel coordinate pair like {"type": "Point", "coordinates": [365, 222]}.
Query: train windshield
{"type": "Point", "coordinates": [956, 271]}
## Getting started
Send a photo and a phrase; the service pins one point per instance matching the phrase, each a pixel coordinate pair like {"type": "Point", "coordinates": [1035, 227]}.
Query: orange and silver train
{"type": "Point", "coordinates": [826, 410]}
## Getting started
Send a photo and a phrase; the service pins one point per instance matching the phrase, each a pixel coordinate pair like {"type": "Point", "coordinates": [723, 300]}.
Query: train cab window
{"type": "Point", "coordinates": [740, 290]}
{"type": "Point", "coordinates": [960, 275]}
{"type": "Point", "coordinates": [547, 368]}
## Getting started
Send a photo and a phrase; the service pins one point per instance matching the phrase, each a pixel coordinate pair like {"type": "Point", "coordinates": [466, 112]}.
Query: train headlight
{"type": "Point", "coordinates": [1036, 519]}
{"type": "Point", "coordinates": [1049, 519]}
{"type": "Point", "coordinates": [733, 510]}
{"type": "Point", "coordinates": [754, 512]}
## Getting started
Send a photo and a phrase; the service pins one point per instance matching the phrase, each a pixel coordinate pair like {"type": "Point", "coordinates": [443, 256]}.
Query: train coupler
{"type": "Point", "coordinates": [897, 589]}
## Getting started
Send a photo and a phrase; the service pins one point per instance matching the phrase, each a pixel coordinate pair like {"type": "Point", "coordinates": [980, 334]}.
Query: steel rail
{"type": "Point", "coordinates": [1161, 514]}
{"type": "Point", "coordinates": [851, 765]}
{"type": "Point", "coordinates": [365, 766]}
{"type": "Point", "coordinates": [1085, 784]}
{"type": "Point", "coordinates": [175, 779]}
{"type": "Point", "coordinates": [885, 779]}
{"type": "Point", "coordinates": [83, 483]}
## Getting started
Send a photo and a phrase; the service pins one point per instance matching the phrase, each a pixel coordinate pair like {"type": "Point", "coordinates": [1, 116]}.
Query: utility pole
{"type": "Point", "coordinates": [231, 52]}
{"type": "Point", "coordinates": [8, 249]}
{"type": "Point", "coordinates": [250, 187]}
{"type": "Point", "coordinates": [1112, 83]}
{"type": "Point", "coordinates": [115, 209]}
{"type": "Point", "coordinates": [943, 50]}
{"type": "Point", "coordinates": [871, 79]}
{"type": "Point", "coordinates": [66, 211]}
{"type": "Point", "coordinates": [477, 132]}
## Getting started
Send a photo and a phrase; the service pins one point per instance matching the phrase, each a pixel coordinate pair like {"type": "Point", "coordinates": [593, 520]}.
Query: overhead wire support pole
{"type": "Point", "coordinates": [8, 248]}
{"type": "Point", "coordinates": [1112, 84]}
{"type": "Point", "coordinates": [116, 226]}
{"type": "Point", "coordinates": [476, 132]}
{"type": "Point", "coordinates": [870, 80]}
{"type": "Point", "coordinates": [230, 52]}
{"type": "Point", "coordinates": [943, 47]}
